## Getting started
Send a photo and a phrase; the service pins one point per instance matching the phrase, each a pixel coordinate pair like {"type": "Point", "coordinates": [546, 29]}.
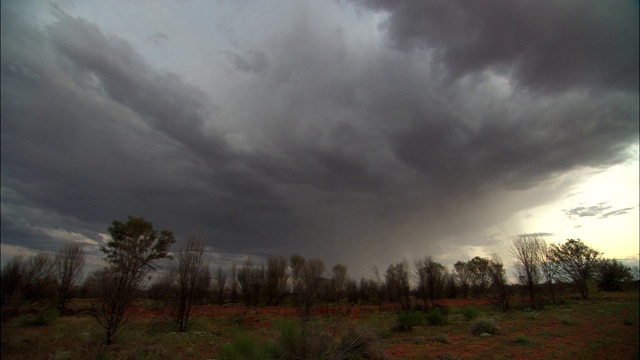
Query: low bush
{"type": "Point", "coordinates": [483, 326]}
{"type": "Point", "coordinates": [470, 313]}
{"type": "Point", "coordinates": [436, 317]}
{"type": "Point", "coordinates": [408, 319]}
{"type": "Point", "coordinates": [309, 341]}
{"type": "Point", "coordinates": [41, 318]}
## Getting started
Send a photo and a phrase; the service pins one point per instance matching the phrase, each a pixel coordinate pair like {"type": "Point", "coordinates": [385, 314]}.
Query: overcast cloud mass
{"type": "Point", "coordinates": [359, 132]}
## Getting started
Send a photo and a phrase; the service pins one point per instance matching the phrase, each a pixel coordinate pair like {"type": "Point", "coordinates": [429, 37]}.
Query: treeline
{"type": "Point", "coordinates": [543, 270]}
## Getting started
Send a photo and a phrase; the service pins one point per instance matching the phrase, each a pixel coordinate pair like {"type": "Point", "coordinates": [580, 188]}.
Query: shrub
{"type": "Point", "coordinates": [408, 319]}
{"type": "Point", "coordinates": [358, 344]}
{"type": "Point", "coordinates": [41, 318]}
{"type": "Point", "coordinates": [470, 313]}
{"type": "Point", "coordinates": [436, 317]}
{"type": "Point", "coordinates": [308, 341]}
{"type": "Point", "coordinates": [483, 326]}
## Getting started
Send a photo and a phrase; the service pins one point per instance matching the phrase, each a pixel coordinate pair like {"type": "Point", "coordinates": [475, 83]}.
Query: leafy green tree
{"type": "Point", "coordinates": [132, 253]}
{"type": "Point", "coordinates": [576, 261]}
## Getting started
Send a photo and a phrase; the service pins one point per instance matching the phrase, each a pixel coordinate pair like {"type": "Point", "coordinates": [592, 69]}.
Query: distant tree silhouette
{"type": "Point", "coordinates": [311, 283]}
{"type": "Point", "coordinates": [463, 277]}
{"type": "Point", "coordinates": [220, 284]}
{"type": "Point", "coordinates": [277, 280]}
{"type": "Point", "coordinates": [431, 280]}
{"type": "Point", "coordinates": [549, 268]}
{"type": "Point", "coordinates": [28, 279]}
{"type": "Point", "coordinates": [338, 283]}
{"type": "Point", "coordinates": [500, 291]}
{"type": "Point", "coordinates": [397, 283]}
{"type": "Point", "coordinates": [478, 268]}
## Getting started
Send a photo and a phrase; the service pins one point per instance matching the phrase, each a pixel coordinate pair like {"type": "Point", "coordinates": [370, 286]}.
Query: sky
{"type": "Point", "coordinates": [358, 132]}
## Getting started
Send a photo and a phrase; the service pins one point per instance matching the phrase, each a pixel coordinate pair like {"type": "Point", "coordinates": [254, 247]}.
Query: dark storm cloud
{"type": "Point", "coordinates": [326, 150]}
{"type": "Point", "coordinates": [545, 44]}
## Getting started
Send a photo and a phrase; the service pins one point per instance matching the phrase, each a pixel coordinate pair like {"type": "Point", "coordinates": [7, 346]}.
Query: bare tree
{"type": "Point", "coordinates": [251, 282]}
{"type": "Point", "coordinates": [297, 267]}
{"type": "Point", "coordinates": [13, 279]}
{"type": "Point", "coordinates": [132, 252]}
{"type": "Point", "coordinates": [576, 261]}
{"type": "Point", "coordinates": [528, 252]}
{"type": "Point", "coordinates": [379, 288]}
{"type": "Point", "coordinates": [220, 284]}
{"type": "Point", "coordinates": [311, 279]}
{"type": "Point", "coordinates": [277, 279]}
{"type": "Point", "coordinates": [186, 274]}
{"type": "Point", "coordinates": [234, 283]}
{"type": "Point", "coordinates": [38, 279]}
{"type": "Point", "coordinates": [69, 263]}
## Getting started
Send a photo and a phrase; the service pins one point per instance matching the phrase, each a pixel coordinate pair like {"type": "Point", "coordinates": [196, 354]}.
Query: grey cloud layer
{"type": "Point", "coordinates": [327, 149]}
